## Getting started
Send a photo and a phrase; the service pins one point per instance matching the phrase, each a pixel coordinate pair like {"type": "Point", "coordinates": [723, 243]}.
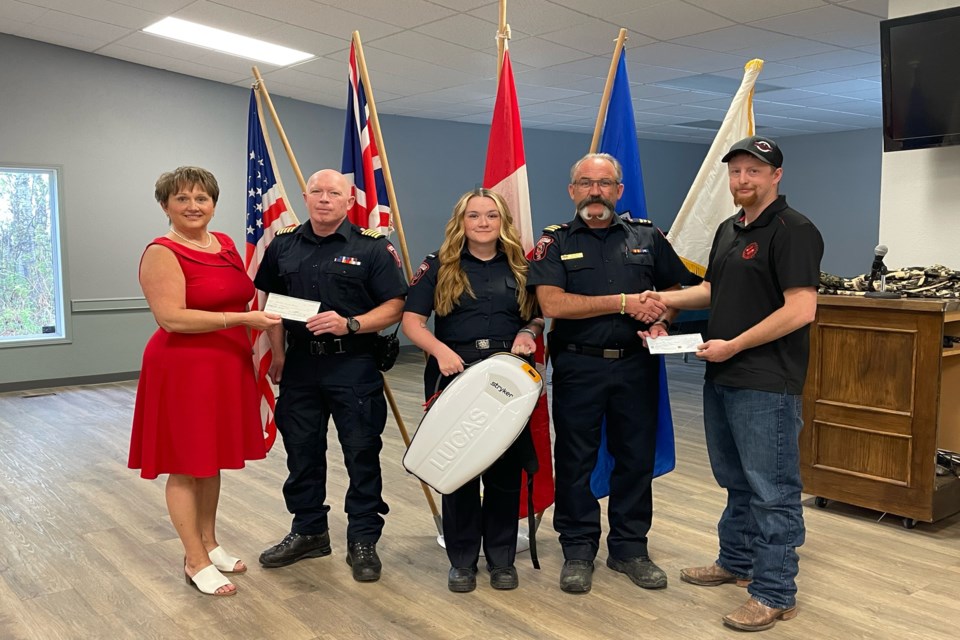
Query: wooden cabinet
{"type": "Point", "coordinates": [882, 395]}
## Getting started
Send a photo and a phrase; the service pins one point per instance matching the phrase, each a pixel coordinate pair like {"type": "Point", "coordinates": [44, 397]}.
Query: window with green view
{"type": "Point", "coordinates": [31, 296]}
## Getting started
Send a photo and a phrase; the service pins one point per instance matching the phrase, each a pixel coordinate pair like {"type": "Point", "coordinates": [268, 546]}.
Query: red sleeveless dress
{"type": "Point", "coordinates": [198, 407]}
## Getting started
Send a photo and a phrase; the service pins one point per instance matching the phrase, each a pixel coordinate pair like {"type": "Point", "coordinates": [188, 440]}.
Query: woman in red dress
{"type": "Point", "coordinates": [198, 407]}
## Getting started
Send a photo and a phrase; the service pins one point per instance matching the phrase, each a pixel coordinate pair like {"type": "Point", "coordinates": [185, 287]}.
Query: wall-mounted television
{"type": "Point", "coordinates": [920, 58]}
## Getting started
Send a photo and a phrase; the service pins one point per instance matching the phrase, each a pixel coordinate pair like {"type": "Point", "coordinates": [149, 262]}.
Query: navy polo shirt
{"type": "Point", "coordinates": [750, 267]}
{"type": "Point", "coordinates": [494, 313]}
{"type": "Point", "coordinates": [630, 256]}
{"type": "Point", "coordinates": [350, 271]}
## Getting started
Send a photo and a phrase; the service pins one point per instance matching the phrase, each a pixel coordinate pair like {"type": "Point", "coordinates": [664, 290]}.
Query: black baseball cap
{"type": "Point", "coordinates": [761, 148]}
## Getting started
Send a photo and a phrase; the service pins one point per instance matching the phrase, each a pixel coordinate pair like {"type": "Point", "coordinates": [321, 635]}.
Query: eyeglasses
{"type": "Point", "coordinates": [586, 183]}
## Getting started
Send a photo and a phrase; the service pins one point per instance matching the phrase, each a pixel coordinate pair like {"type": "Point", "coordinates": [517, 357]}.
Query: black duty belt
{"type": "Point", "coordinates": [599, 352]}
{"type": "Point", "coordinates": [333, 346]}
{"type": "Point", "coordinates": [483, 343]}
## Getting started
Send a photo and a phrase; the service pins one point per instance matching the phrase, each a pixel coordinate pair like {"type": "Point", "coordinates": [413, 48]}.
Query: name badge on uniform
{"type": "Point", "coordinates": [347, 260]}
{"type": "Point", "coordinates": [571, 256]}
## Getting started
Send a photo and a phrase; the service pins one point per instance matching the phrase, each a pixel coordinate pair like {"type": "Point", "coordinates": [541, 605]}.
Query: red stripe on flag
{"type": "Point", "coordinates": [505, 160]}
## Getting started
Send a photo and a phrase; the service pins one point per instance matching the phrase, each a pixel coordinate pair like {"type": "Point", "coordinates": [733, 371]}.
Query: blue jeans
{"type": "Point", "coordinates": [752, 439]}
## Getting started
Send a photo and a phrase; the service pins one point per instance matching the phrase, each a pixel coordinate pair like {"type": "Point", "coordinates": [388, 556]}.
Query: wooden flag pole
{"type": "Point", "coordinates": [398, 223]}
{"type": "Point", "coordinates": [503, 34]}
{"type": "Point", "coordinates": [276, 123]}
{"type": "Point", "coordinates": [303, 186]}
{"type": "Point", "coordinates": [607, 90]}
{"type": "Point", "coordinates": [378, 137]}
{"type": "Point", "coordinates": [266, 139]}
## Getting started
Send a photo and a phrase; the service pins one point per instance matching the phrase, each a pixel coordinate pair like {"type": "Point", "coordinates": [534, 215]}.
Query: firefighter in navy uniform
{"type": "Point", "coordinates": [475, 286]}
{"type": "Point", "coordinates": [328, 369]}
{"type": "Point", "coordinates": [592, 276]}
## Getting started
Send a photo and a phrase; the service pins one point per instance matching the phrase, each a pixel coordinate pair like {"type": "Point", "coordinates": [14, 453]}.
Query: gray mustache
{"type": "Point", "coordinates": [596, 200]}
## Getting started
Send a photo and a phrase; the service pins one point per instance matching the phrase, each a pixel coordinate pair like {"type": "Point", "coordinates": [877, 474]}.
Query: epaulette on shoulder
{"type": "Point", "coordinates": [371, 233]}
{"type": "Point", "coordinates": [431, 256]}
{"type": "Point", "coordinates": [641, 221]}
{"type": "Point", "coordinates": [285, 230]}
{"type": "Point", "coordinates": [554, 227]}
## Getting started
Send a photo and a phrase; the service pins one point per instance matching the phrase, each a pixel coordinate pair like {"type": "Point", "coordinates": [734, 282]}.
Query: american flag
{"type": "Point", "coordinates": [361, 159]}
{"type": "Point", "coordinates": [267, 212]}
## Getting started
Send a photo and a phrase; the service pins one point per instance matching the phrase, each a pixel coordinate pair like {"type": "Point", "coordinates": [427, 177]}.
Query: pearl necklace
{"type": "Point", "coordinates": [197, 244]}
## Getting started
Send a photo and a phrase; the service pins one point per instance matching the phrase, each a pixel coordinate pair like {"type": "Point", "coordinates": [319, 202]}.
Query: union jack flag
{"type": "Point", "coordinates": [361, 159]}
{"type": "Point", "coordinates": [267, 212]}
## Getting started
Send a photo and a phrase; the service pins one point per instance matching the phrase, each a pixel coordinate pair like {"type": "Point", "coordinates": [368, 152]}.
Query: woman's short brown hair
{"type": "Point", "coordinates": [171, 181]}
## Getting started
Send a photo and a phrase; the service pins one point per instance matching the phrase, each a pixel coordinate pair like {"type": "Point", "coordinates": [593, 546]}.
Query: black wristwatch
{"type": "Point", "coordinates": [353, 325]}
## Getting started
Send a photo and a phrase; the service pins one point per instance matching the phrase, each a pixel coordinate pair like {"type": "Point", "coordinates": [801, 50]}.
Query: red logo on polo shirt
{"type": "Point", "coordinates": [750, 251]}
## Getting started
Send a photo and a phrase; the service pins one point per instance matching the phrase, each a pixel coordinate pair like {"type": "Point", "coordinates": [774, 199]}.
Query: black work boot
{"type": "Point", "coordinates": [641, 571]}
{"type": "Point", "coordinates": [504, 578]}
{"type": "Point", "coordinates": [576, 576]}
{"type": "Point", "coordinates": [363, 558]}
{"type": "Point", "coordinates": [462, 580]}
{"type": "Point", "coordinates": [295, 547]}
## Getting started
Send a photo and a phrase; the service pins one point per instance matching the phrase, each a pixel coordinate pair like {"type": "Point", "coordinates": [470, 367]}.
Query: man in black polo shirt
{"type": "Point", "coordinates": [328, 369]}
{"type": "Point", "coordinates": [591, 276]}
{"type": "Point", "coordinates": [761, 288]}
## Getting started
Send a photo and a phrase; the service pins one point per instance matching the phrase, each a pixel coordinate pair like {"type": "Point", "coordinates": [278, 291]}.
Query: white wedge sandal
{"type": "Point", "coordinates": [224, 562]}
{"type": "Point", "coordinates": [208, 580]}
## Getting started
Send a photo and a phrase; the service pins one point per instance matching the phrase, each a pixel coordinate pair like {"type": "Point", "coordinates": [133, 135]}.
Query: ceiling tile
{"type": "Point", "coordinates": [812, 22]}
{"type": "Point", "coordinates": [422, 47]}
{"type": "Point", "coordinates": [532, 16]}
{"type": "Point", "coordinates": [665, 54]}
{"type": "Point", "coordinates": [403, 13]}
{"type": "Point", "coordinates": [219, 16]}
{"type": "Point", "coordinates": [538, 53]}
{"type": "Point", "coordinates": [749, 10]}
{"type": "Point", "coordinates": [319, 44]}
{"type": "Point", "coordinates": [879, 8]}
{"type": "Point", "coordinates": [464, 30]}
{"type": "Point", "coordinates": [670, 20]}
{"type": "Point", "coordinates": [15, 11]}
{"type": "Point", "coordinates": [437, 58]}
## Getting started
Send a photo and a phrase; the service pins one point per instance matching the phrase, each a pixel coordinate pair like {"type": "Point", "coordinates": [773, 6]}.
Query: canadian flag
{"type": "Point", "coordinates": [506, 173]}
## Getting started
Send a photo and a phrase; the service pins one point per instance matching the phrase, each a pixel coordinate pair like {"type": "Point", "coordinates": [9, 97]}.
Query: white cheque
{"type": "Point", "coordinates": [291, 308]}
{"type": "Point", "coordinates": [684, 343]}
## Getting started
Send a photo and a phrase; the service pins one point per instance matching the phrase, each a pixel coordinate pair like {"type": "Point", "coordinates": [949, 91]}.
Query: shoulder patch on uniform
{"type": "Point", "coordinates": [371, 233]}
{"type": "Point", "coordinates": [421, 270]}
{"type": "Point", "coordinates": [540, 250]}
{"type": "Point", "coordinates": [289, 229]}
{"type": "Point", "coordinates": [393, 252]}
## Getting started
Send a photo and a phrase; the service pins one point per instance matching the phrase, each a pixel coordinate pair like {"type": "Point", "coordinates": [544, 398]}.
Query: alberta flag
{"type": "Point", "coordinates": [361, 159]}
{"type": "Point", "coordinates": [619, 139]}
{"type": "Point", "coordinates": [267, 212]}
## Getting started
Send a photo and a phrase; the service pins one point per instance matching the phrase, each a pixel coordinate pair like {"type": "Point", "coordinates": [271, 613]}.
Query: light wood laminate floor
{"type": "Point", "coordinates": [87, 551]}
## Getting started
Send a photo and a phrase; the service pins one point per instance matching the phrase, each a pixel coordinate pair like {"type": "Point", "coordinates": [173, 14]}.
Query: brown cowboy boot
{"type": "Point", "coordinates": [711, 576]}
{"type": "Point", "coordinates": [756, 616]}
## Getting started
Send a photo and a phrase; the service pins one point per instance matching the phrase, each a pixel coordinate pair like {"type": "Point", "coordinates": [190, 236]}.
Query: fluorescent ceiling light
{"type": "Point", "coordinates": [226, 42]}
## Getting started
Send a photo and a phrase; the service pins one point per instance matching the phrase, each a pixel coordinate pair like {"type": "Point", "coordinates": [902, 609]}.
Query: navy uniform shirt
{"type": "Point", "coordinates": [630, 256]}
{"type": "Point", "coordinates": [350, 271]}
{"type": "Point", "coordinates": [494, 313]}
{"type": "Point", "coordinates": [749, 269]}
